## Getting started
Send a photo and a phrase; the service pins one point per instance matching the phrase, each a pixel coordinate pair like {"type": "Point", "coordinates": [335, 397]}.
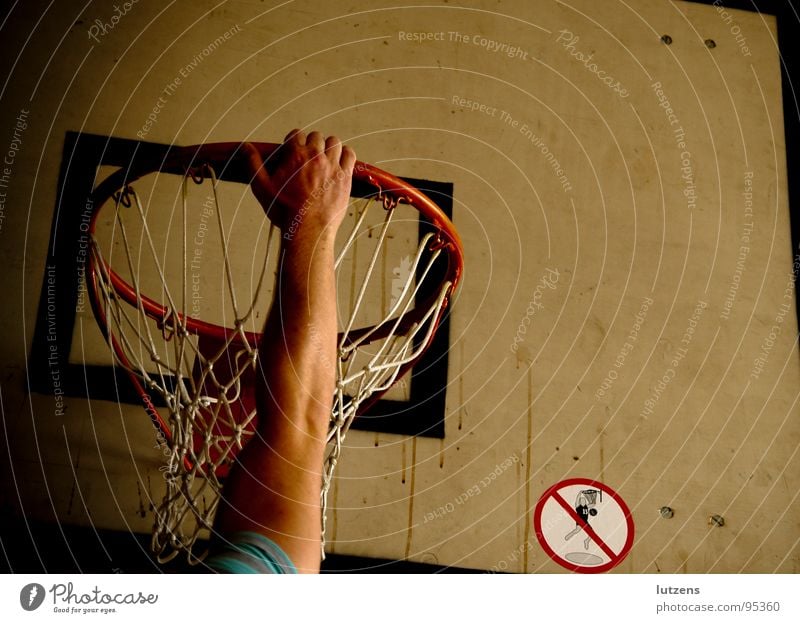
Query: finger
{"type": "Point", "coordinates": [295, 136]}
{"type": "Point", "coordinates": [348, 159]}
{"type": "Point", "coordinates": [316, 141]}
{"type": "Point", "coordinates": [258, 174]}
{"type": "Point", "coordinates": [333, 149]}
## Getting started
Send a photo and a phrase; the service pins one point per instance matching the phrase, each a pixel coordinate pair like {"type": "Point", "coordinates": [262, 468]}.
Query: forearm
{"type": "Point", "coordinates": [298, 347]}
{"type": "Point", "coordinates": [296, 376]}
{"type": "Point", "coordinates": [274, 488]}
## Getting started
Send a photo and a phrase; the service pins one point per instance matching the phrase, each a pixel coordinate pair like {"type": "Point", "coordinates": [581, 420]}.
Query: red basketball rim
{"type": "Point", "coordinates": [228, 160]}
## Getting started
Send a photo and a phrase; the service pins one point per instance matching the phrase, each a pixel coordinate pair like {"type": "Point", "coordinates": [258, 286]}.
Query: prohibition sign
{"type": "Point", "coordinates": [594, 541]}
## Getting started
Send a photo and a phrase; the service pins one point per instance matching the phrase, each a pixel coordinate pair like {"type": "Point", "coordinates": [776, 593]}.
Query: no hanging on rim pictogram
{"type": "Point", "coordinates": [583, 531]}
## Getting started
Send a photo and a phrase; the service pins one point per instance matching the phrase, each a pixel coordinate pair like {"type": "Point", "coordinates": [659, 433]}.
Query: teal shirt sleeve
{"type": "Point", "coordinates": [248, 552]}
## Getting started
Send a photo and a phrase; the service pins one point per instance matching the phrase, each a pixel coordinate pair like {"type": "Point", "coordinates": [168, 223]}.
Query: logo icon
{"type": "Point", "coordinates": [31, 596]}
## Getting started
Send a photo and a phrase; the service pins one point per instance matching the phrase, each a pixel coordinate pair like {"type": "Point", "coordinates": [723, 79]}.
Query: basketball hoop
{"type": "Point", "coordinates": [591, 496]}
{"type": "Point", "coordinates": [192, 356]}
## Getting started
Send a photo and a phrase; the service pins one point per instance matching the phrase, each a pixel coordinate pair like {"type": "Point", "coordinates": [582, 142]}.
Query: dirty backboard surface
{"type": "Point", "coordinates": [627, 321]}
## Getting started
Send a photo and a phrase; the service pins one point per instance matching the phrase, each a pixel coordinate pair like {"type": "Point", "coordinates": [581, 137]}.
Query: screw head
{"type": "Point", "coordinates": [710, 43]}
{"type": "Point", "coordinates": [716, 521]}
{"type": "Point", "coordinates": [666, 39]}
{"type": "Point", "coordinates": [666, 512]}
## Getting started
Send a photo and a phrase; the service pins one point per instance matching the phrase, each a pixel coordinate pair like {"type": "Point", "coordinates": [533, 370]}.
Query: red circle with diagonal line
{"type": "Point", "coordinates": [612, 533]}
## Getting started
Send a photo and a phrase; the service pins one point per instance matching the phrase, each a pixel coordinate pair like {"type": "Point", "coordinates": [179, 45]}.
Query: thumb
{"type": "Point", "coordinates": [259, 178]}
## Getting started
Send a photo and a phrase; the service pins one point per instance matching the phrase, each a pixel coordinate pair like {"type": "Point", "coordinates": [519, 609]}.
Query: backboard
{"type": "Point", "coordinates": [628, 313]}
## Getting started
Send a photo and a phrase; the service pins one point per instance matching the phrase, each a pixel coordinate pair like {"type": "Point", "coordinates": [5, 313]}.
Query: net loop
{"type": "Point", "coordinates": [124, 196]}
{"type": "Point", "coordinates": [168, 330]}
{"type": "Point", "coordinates": [198, 174]}
{"type": "Point", "coordinates": [438, 243]}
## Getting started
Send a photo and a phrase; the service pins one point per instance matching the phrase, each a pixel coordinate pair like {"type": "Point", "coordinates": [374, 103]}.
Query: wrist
{"type": "Point", "coordinates": [307, 234]}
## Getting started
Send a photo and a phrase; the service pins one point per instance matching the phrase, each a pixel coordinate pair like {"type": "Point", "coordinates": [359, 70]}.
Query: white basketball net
{"type": "Point", "coordinates": [202, 387]}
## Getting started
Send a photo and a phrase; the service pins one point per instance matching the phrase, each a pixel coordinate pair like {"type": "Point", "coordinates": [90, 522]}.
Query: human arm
{"type": "Point", "coordinates": [274, 489]}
